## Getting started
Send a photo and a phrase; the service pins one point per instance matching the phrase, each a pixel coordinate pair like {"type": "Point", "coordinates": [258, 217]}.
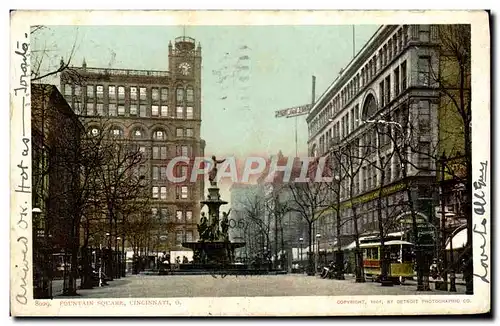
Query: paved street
{"type": "Point", "coordinates": [268, 285]}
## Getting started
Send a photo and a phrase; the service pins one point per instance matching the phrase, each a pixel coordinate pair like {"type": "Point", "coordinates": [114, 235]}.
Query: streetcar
{"type": "Point", "coordinates": [400, 255]}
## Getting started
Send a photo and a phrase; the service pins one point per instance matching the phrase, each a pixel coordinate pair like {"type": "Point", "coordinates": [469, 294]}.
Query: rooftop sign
{"type": "Point", "coordinates": [293, 111]}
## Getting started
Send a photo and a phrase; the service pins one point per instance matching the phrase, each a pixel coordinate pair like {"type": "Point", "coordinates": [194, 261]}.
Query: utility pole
{"type": "Point", "coordinates": [313, 93]}
{"type": "Point", "coordinates": [353, 41]}
{"type": "Point", "coordinates": [297, 111]}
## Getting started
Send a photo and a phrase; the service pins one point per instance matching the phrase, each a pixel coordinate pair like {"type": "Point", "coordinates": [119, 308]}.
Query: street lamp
{"type": "Point", "coordinates": [264, 256]}
{"type": "Point", "coordinates": [118, 257]}
{"type": "Point", "coordinates": [301, 240]}
{"type": "Point", "coordinates": [330, 245]}
{"type": "Point", "coordinates": [318, 237]}
{"type": "Point", "coordinates": [109, 271]}
{"type": "Point", "coordinates": [339, 256]}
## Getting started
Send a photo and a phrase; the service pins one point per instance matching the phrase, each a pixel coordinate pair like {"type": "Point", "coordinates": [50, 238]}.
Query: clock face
{"type": "Point", "coordinates": [185, 68]}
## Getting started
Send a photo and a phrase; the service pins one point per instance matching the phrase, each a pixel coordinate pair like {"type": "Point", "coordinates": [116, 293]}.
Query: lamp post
{"type": "Point", "coordinates": [264, 256]}
{"type": "Point", "coordinates": [118, 258]}
{"type": "Point", "coordinates": [109, 270]}
{"type": "Point", "coordinates": [330, 245]}
{"type": "Point", "coordinates": [100, 264]}
{"type": "Point", "coordinates": [124, 257]}
{"type": "Point", "coordinates": [301, 240]}
{"type": "Point", "coordinates": [339, 255]}
{"type": "Point", "coordinates": [318, 237]}
{"type": "Point", "coordinates": [443, 263]}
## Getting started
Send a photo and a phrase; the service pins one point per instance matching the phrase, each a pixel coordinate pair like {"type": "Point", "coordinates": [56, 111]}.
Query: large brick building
{"type": "Point", "coordinates": [389, 80]}
{"type": "Point", "coordinates": [160, 112]}
{"type": "Point", "coordinates": [55, 134]}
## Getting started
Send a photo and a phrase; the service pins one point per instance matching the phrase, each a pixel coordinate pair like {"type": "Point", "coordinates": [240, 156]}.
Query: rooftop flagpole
{"type": "Point", "coordinates": [353, 41]}
{"type": "Point", "coordinates": [296, 139]}
{"type": "Point", "coordinates": [295, 112]}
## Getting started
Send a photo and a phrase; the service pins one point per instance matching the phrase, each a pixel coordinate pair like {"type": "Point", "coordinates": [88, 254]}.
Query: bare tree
{"type": "Point", "coordinates": [382, 162]}
{"type": "Point", "coordinates": [334, 188]}
{"type": "Point", "coordinates": [352, 161]}
{"type": "Point", "coordinates": [78, 156]}
{"type": "Point", "coordinates": [276, 206]}
{"type": "Point", "coordinates": [254, 208]}
{"type": "Point", "coordinates": [403, 140]}
{"type": "Point", "coordinates": [453, 80]}
{"type": "Point", "coordinates": [109, 185]}
{"type": "Point", "coordinates": [311, 203]}
{"type": "Point", "coordinates": [120, 181]}
{"type": "Point", "coordinates": [42, 66]}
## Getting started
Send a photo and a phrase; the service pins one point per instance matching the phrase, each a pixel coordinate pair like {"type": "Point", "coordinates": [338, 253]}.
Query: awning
{"type": "Point", "coordinates": [322, 248]}
{"type": "Point", "coordinates": [299, 254]}
{"type": "Point", "coordinates": [352, 245]}
{"type": "Point", "coordinates": [387, 243]}
{"type": "Point", "coordinates": [459, 240]}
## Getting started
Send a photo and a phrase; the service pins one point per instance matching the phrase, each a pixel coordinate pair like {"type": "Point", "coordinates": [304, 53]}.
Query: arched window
{"type": "Point", "coordinates": [138, 133]}
{"type": "Point", "coordinates": [180, 95]}
{"type": "Point", "coordinates": [370, 107]}
{"type": "Point", "coordinates": [116, 131]}
{"type": "Point", "coordinates": [159, 135]}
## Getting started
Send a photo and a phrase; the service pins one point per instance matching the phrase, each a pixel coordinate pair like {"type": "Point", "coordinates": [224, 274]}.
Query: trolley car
{"type": "Point", "coordinates": [399, 253]}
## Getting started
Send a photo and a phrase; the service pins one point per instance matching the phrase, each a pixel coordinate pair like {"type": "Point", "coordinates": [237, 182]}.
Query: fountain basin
{"type": "Point", "coordinates": [210, 245]}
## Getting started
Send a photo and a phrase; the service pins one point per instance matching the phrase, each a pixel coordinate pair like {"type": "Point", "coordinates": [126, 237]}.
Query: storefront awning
{"type": "Point", "coordinates": [350, 246]}
{"type": "Point", "coordinates": [458, 241]}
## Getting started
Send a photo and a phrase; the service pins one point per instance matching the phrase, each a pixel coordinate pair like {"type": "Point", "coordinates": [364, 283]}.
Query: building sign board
{"type": "Point", "coordinates": [293, 111]}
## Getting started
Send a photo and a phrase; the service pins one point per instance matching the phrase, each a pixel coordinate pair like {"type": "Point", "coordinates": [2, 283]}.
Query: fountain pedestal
{"type": "Point", "coordinates": [214, 250]}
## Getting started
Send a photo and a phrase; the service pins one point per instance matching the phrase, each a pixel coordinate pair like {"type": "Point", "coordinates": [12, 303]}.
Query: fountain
{"type": "Point", "coordinates": [214, 250]}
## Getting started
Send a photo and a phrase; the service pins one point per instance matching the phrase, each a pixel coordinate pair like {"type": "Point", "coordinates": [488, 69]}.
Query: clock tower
{"type": "Point", "coordinates": [184, 59]}
{"type": "Point", "coordinates": [184, 63]}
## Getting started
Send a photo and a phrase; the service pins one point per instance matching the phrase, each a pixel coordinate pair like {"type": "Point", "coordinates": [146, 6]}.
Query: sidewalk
{"type": "Point", "coordinates": [155, 286]}
{"type": "Point", "coordinates": [58, 286]}
{"type": "Point", "coordinates": [459, 280]}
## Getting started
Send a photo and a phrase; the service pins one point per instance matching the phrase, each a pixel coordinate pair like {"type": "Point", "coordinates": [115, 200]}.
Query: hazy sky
{"type": "Point", "coordinates": [237, 105]}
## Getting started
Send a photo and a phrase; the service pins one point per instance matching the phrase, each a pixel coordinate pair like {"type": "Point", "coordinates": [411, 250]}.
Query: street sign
{"type": "Point", "coordinates": [293, 111]}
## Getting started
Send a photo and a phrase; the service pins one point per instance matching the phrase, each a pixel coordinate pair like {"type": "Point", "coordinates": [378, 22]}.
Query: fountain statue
{"type": "Point", "coordinates": [214, 248]}
{"type": "Point", "coordinates": [212, 175]}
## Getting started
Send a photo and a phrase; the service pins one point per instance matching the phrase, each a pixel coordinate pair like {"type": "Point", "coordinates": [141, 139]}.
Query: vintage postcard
{"type": "Point", "coordinates": [250, 163]}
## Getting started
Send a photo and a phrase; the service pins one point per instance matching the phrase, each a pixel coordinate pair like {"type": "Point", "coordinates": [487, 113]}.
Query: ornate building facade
{"type": "Point", "coordinates": [160, 112]}
{"type": "Point", "coordinates": [384, 98]}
